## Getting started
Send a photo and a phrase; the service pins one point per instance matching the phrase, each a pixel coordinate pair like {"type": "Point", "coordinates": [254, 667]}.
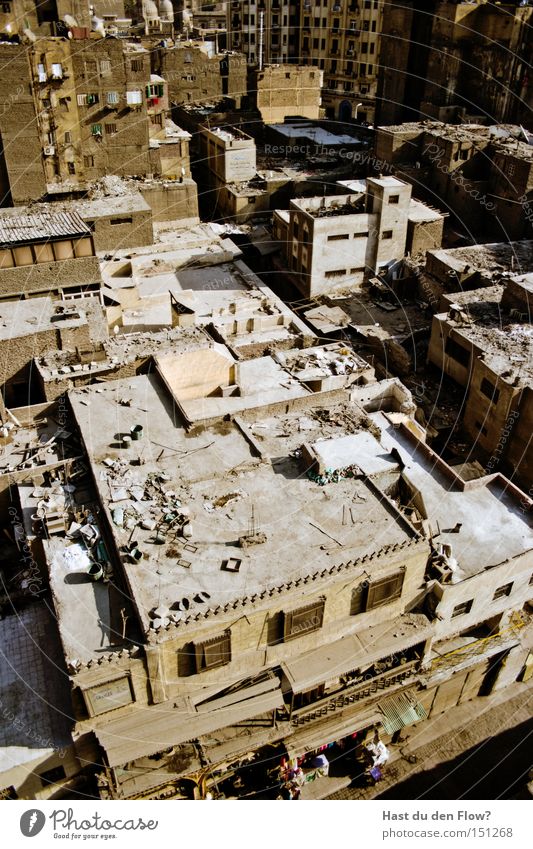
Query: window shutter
{"type": "Point", "coordinates": [385, 590]}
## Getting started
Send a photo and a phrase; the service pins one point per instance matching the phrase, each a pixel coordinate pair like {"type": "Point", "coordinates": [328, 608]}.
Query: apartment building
{"type": "Point", "coordinates": [455, 60]}
{"type": "Point", "coordinates": [196, 72]}
{"type": "Point", "coordinates": [376, 616]}
{"type": "Point", "coordinates": [341, 39]}
{"type": "Point", "coordinates": [339, 241]}
{"type": "Point", "coordinates": [93, 109]}
{"type": "Point", "coordinates": [482, 174]}
{"type": "Point", "coordinates": [483, 342]}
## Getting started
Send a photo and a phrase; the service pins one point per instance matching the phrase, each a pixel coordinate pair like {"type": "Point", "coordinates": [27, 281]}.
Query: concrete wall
{"type": "Point", "coordinates": [480, 588]}
{"type": "Point", "coordinates": [19, 132]}
{"type": "Point", "coordinates": [49, 277]}
{"type": "Point", "coordinates": [283, 90]}
{"type": "Point", "coordinates": [172, 201]}
{"type": "Point", "coordinates": [121, 230]}
{"type": "Point", "coordinates": [424, 236]}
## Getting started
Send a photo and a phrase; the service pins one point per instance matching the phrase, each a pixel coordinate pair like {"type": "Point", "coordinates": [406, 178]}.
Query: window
{"type": "Point", "coordinates": [112, 98]}
{"type": "Point", "coordinates": [338, 272]}
{"type": "Point", "coordinates": [41, 73]}
{"type": "Point", "coordinates": [137, 64]}
{"type": "Point", "coordinates": [50, 776]}
{"type": "Point", "coordinates": [105, 66]}
{"type": "Point", "coordinates": [134, 98]}
{"type": "Point", "coordinates": [96, 130]}
{"type": "Point", "coordinates": [71, 168]}
{"type": "Point", "coordinates": [57, 70]}
{"type": "Point", "coordinates": [127, 220]}
{"type": "Point", "coordinates": [110, 129]}
{"type": "Point", "coordinates": [457, 352]}
{"type": "Point", "coordinates": [384, 590]}
{"type": "Point", "coordinates": [363, 235]}
{"type": "Point", "coordinates": [68, 137]}
{"type": "Point", "coordinates": [461, 609]}
{"type": "Point", "coordinates": [483, 430]}
{"type": "Point", "coordinates": [387, 234]}
{"type": "Point", "coordinates": [88, 161]}
{"type": "Point", "coordinates": [338, 236]}
{"type": "Point", "coordinates": [503, 591]}
{"type": "Point", "coordinates": [44, 252]}
{"type": "Point", "coordinates": [305, 620]}
{"type": "Point", "coordinates": [394, 199]}
{"type": "Point", "coordinates": [82, 99]}
{"type": "Point", "coordinates": [489, 390]}
{"type": "Point", "coordinates": [213, 653]}
{"type": "Point", "coordinates": [92, 99]}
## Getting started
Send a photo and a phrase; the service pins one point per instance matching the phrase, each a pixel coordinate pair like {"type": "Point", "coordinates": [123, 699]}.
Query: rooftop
{"type": "Point", "coordinates": [38, 315]}
{"type": "Point", "coordinates": [506, 344]}
{"type": "Point", "coordinates": [493, 524]}
{"type": "Point", "coordinates": [214, 476]}
{"type": "Point", "coordinates": [16, 229]}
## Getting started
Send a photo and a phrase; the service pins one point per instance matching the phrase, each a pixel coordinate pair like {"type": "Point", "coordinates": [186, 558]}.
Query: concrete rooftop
{"type": "Point", "coordinates": [213, 474]}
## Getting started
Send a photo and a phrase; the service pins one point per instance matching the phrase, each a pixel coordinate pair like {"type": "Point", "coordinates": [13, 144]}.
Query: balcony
{"type": "Point", "coordinates": [356, 692]}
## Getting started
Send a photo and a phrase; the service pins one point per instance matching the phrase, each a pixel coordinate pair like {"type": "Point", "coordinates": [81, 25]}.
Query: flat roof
{"type": "Point", "coordinates": [34, 688]}
{"type": "Point", "coordinates": [214, 474]}
{"type": "Point", "coordinates": [494, 527]}
{"type": "Point", "coordinates": [507, 344]}
{"type": "Point", "coordinates": [16, 229]}
{"type": "Point", "coordinates": [38, 315]}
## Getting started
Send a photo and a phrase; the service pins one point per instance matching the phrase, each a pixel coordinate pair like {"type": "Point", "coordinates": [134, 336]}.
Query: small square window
{"type": "Point", "coordinates": [110, 129]}
{"type": "Point", "coordinates": [503, 591]}
{"type": "Point", "coordinates": [387, 234]}
{"type": "Point", "coordinates": [461, 609]}
{"type": "Point", "coordinates": [394, 199]}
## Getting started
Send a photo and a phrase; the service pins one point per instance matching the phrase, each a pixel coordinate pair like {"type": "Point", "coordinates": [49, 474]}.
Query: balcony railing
{"type": "Point", "coordinates": [354, 693]}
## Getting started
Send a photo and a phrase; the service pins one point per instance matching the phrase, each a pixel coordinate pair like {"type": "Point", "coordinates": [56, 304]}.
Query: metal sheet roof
{"type": "Point", "coordinates": [148, 730]}
{"type": "Point", "coordinates": [401, 710]}
{"type": "Point", "coordinates": [44, 226]}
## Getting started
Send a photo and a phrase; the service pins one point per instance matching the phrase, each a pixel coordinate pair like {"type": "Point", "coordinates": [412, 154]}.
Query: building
{"type": "Point", "coordinates": [197, 73]}
{"type": "Point", "coordinates": [454, 61]}
{"type": "Point", "coordinates": [221, 655]}
{"type": "Point", "coordinates": [484, 175]}
{"type": "Point", "coordinates": [21, 155]}
{"type": "Point", "coordinates": [339, 241]}
{"type": "Point", "coordinates": [31, 327]}
{"type": "Point", "coordinates": [284, 90]}
{"type": "Point", "coordinates": [46, 253]}
{"type": "Point", "coordinates": [483, 342]}
{"type": "Point", "coordinates": [342, 41]}
{"type": "Point", "coordinates": [93, 108]}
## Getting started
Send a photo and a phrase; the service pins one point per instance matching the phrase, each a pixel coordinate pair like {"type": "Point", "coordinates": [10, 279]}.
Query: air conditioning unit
{"type": "Point", "coordinates": [49, 150]}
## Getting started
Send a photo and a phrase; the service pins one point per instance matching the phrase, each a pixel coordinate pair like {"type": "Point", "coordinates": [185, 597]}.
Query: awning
{"type": "Point", "coordinates": [146, 731]}
{"type": "Point", "coordinates": [401, 710]}
{"type": "Point", "coordinates": [323, 733]}
{"type": "Point", "coordinates": [329, 661]}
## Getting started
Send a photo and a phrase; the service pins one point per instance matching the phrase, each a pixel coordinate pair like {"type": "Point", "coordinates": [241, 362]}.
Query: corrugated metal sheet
{"type": "Point", "coordinates": [24, 229]}
{"type": "Point", "coordinates": [149, 730]}
{"type": "Point", "coordinates": [401, 710]}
